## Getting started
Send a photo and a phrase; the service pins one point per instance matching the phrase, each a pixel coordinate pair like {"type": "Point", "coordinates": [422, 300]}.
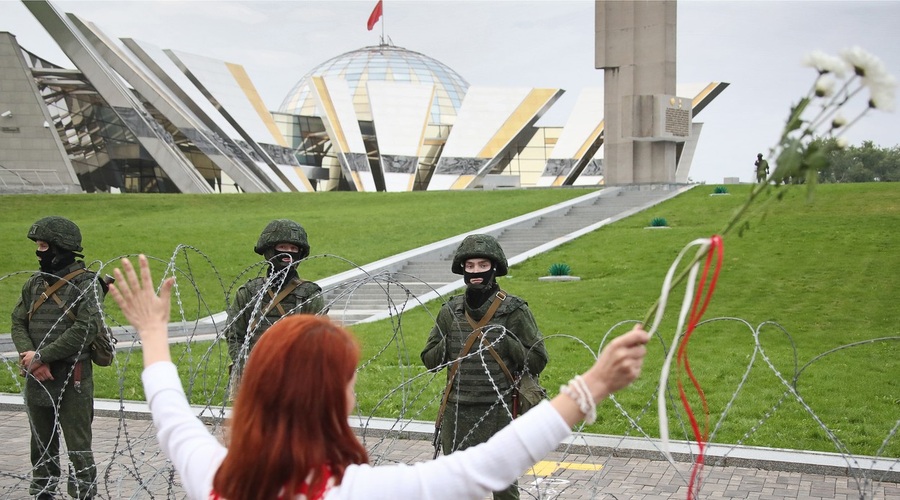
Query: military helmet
{"type": "Point", "coordinates": [57, 231]}
{"type": "Point", "coordinates": [282, 231]}
{"type": "Point", "coordinates": [480, 245]}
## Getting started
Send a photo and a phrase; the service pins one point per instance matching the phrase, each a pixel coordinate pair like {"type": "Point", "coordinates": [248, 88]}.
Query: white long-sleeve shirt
{"type": "Point", "coordinates": [472, 473]}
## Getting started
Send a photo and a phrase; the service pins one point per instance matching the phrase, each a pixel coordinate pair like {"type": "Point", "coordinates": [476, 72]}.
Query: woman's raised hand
{"type": "Point", "coordinates": [148, 312]}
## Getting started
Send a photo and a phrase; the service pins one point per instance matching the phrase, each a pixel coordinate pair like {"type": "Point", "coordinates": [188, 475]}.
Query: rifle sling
{"type": "Point", "coordinates": [51, 292]}
{"type": "Point", "coordinates": [62, 306]}
{"type": "Point", "coordinates": [470, 341]}
{"type": "Point", "coordinates": [276, 301]}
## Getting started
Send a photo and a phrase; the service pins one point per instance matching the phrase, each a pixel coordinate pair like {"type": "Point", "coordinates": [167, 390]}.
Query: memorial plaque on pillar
{"type": "Point", "coordinates": [662, 118]}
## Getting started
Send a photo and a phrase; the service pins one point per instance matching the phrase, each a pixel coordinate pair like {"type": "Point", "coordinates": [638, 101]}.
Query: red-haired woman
{"type": "Point", "coordinates": [290, 434]}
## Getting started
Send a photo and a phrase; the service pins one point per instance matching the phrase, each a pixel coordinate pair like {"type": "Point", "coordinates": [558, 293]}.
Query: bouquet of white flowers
{"type": "Point", "coordinates": [799, 155]}
{"type": "Point", "coordinates": [821, 112]}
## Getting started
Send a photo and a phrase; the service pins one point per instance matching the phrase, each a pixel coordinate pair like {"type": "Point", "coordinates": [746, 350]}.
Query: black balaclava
{"type": "Point", "coordinates": [278, 265]}
{"type": "Point", "coordinates": [54, 259]}
{"type": "Point", "coordinates": [478, 293]}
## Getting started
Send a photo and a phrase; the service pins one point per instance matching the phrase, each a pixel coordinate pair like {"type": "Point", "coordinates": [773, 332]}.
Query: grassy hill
{"type": "Point", "coordinates": [817, 276]}
{"type": "Point", "coordinates": [222, 230]}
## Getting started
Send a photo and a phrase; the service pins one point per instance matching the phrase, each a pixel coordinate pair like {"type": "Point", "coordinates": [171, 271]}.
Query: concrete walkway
{"type": "Point", "coordinates": [588, 466]}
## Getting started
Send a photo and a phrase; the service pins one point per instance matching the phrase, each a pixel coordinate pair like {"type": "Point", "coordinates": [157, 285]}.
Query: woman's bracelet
{"type": "Point", "coordinates": [579, 392]}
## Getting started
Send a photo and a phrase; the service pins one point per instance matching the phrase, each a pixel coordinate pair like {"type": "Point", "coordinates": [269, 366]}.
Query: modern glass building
{"type": "Point", "coordinates": [383, 63]}
{"type": "Point", "coordinates": [134, 117]}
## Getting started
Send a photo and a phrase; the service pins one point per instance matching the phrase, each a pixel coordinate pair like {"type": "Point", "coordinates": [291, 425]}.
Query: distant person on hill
{"type": "Point", "coordinates": [762, 168]}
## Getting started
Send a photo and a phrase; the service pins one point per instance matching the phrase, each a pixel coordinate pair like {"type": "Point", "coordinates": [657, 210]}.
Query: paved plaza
{"type": "Point", "coordinates": [130, 465]}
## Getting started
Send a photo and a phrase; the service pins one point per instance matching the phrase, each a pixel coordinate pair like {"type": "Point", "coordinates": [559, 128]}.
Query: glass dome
{"type": "Point", "coordinates": [382, 63]}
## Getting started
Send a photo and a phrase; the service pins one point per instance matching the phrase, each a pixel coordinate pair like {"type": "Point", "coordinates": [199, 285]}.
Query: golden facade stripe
{"type": "Point", "coordinates": [590, 140]}
{"type": "Point", "coordinates": [331, 113]}
{"type": "Point", "coordinates": [524, 113]}
{"type": "Point", "coordinates": [305, 180]}
{"type": "Point", "coordinates": [419, 151]}
{"type": "Point", "coordinates": [357, 181]}
{"type": "Point", "coordinates": [243, 81]}
{"type": "Point", "coordinates": [704, 93]}
{"type": "Point", "coordinates": [463, 182]}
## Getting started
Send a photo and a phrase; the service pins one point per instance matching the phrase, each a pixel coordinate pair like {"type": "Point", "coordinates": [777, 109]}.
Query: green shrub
{"type": "Point", "coordinates": [721, 190]}
{"type": "Point", "coordinates": [659, 222]}
{"type": "Point", "coordinates": [560, 269]}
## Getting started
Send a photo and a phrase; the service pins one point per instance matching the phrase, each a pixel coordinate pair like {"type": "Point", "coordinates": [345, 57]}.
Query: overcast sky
{"type": "Point", "coordinates": [756, 46]}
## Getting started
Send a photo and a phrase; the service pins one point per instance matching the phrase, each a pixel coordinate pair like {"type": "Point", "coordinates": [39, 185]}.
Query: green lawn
{"type": "Point", "coordinates": [825, 274]}
{"type": "Point", "coordinates": [220, 231]}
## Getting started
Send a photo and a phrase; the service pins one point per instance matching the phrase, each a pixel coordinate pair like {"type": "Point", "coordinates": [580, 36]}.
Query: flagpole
{"type": "Point", "coordinates": [377, 15]}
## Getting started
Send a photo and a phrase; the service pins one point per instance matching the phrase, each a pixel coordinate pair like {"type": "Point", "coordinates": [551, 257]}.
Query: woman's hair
{"type": "Point", "coordinates": [290, 416]}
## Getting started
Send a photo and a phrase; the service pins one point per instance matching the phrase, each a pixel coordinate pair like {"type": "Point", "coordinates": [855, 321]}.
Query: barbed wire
{"type": "Point", "coordinates": [130, 464]}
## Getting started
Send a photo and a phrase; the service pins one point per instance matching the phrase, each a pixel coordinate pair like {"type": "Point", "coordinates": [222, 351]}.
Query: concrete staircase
{"type": "Point", "coordinates": [396, 284]}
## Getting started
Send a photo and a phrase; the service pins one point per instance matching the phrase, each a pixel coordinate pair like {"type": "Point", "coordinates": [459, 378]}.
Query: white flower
{"type": "Point", "coordinates": [838, 121]}
{"type": "Point", "coordinates": [881, 92]}
{"type": "Point", "coordinates": [824, 63]}
{"type": "Point", "coordinates": [882, 100]}
{"type": "Point", "coordinates": [864, 63]}
{"type": "Point", "coordinates": [842, 142]}
{"type": "Point", "coordinates": [824, 86]}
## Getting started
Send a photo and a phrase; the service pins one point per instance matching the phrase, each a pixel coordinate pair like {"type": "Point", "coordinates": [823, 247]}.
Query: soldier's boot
{"type": "Point", "coordinates": [82, 475]}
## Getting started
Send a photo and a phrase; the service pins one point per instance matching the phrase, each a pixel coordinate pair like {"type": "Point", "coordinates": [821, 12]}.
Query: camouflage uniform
{"type": "Point", "coordinates": [762, 168]}
{"type": "Point", "coordinates": [247, 306]}
{"type": "Point", "coordinates": [245, 312]}
{"type": "Point", "coordinates": [474, 412]}
{"type": "Point", "coordinates": [62, 344]}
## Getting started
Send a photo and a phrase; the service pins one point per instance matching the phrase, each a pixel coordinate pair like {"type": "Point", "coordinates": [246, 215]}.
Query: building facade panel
{"type": "Point", "coordinates": [177, 167]}
{"type": "Point", "coordinates": [212, 161]}
{"type": "Point", "coordinates": [490, 123]}
{"type": "Point", "coordinates": [375, 119]}
{"type": "Point", "coordinates": [400, 113]}
{"type": "Point", "coordinates": [234, 97]}
{"type": "Point", "coordinates": [342, 125]}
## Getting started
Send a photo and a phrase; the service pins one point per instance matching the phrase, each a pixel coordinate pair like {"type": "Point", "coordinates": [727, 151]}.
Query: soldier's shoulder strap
{"type": "Point", "coordinates": [276, 299]}
{"type": "Point", "coordinates": [497, 300]}
{"type": "Point", "coordinates": [309, 286]}
{"type": "Point", "coordinates": [254, 285]}
{"type": "Point", "coordinates": [456, 300]}
{"type": "Point", "coordinates": [511, 303]}
{"type": "Point", "coordinates": [51, 291]}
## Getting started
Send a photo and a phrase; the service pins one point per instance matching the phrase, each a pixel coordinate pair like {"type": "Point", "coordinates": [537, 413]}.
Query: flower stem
{"type": "Point", "coordinates": [731, 224]}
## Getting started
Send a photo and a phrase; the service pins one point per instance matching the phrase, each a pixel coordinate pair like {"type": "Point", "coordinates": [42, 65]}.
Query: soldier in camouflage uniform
{"type": "Point", "coordinates": [53, 347]}
{"type": "Point", "coordinates": [762, 168]}
{"type": "Point", "coordinates": [262, 301]}
{"type": "Point", "coordinates": [474, 411]}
